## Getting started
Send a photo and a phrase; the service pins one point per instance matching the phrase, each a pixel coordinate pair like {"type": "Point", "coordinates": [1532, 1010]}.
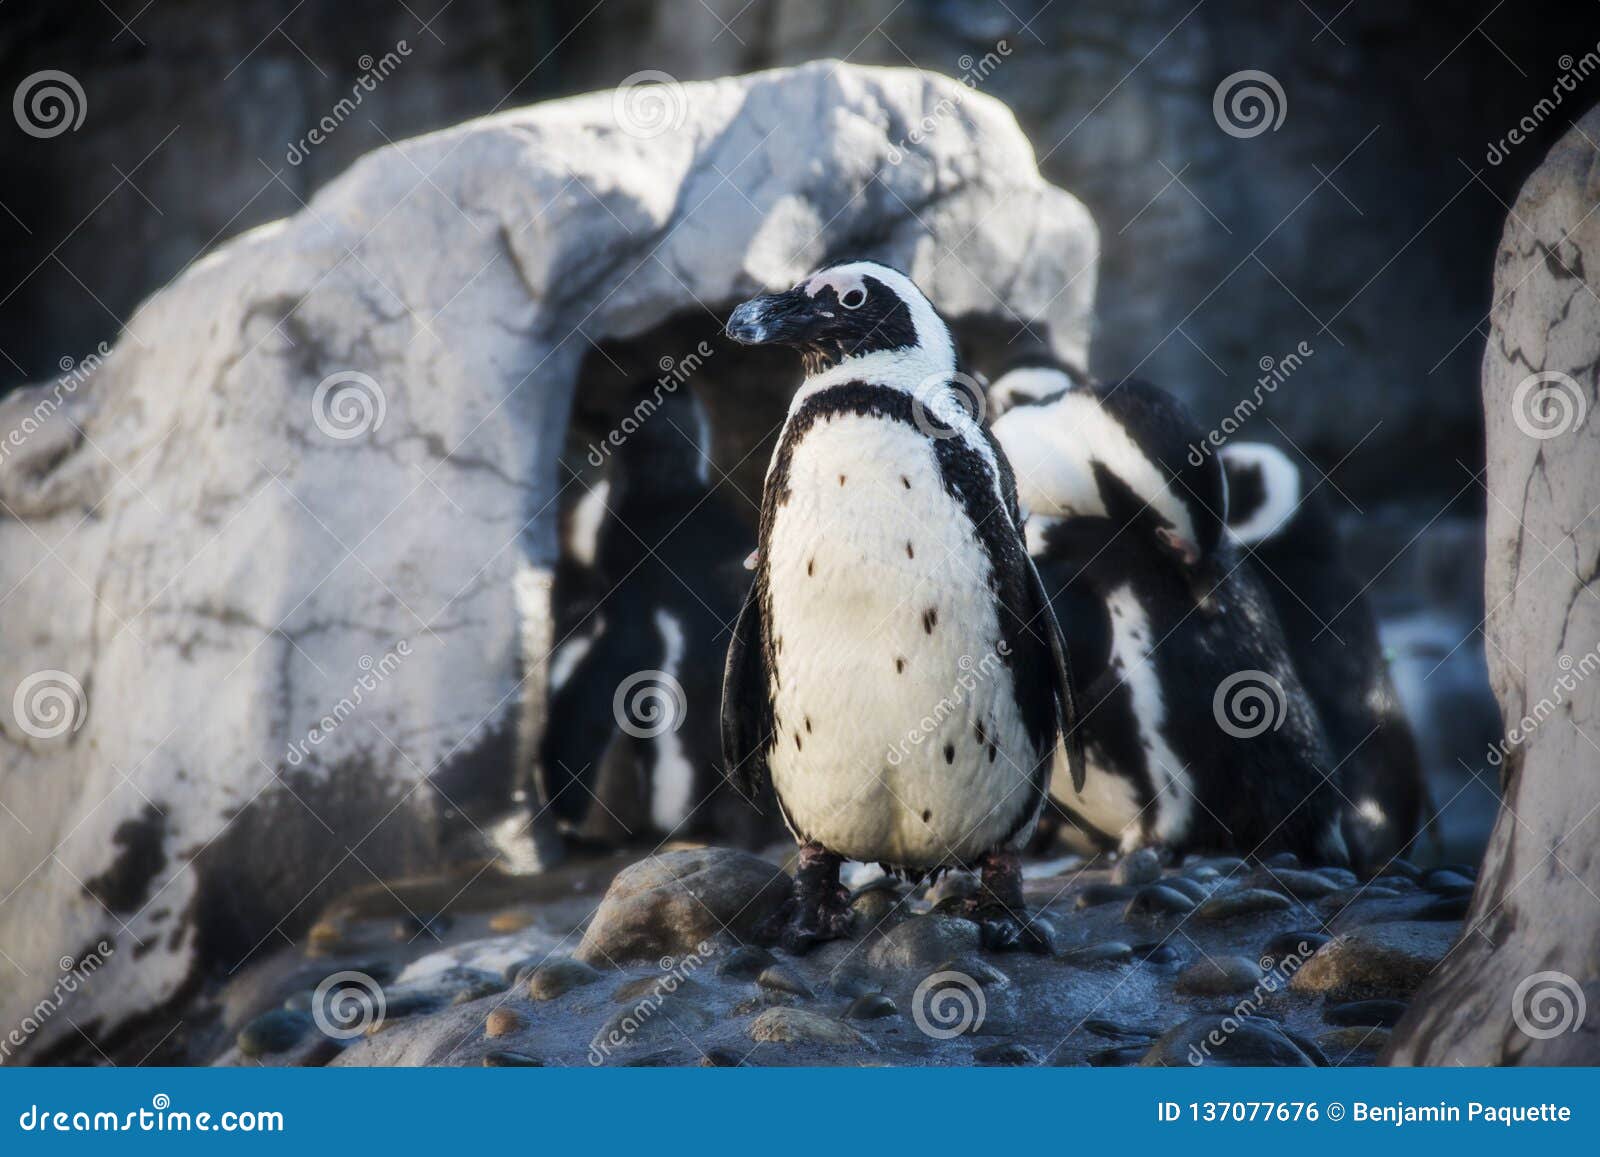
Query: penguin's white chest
{"type": "Point", "coordinates": [1110, 800]}
{"type": "Point", "coordinates": [898, 734]}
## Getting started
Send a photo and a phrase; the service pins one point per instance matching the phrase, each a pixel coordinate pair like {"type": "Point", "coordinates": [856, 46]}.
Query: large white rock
{"type": "Point", "coordinates": [312, 491]}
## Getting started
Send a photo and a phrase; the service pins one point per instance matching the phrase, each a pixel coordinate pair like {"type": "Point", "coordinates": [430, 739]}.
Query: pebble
{"type": "Point", "coordinates": [1293, 947]}
{"type": "Point", "coordinates": [1245, 902]}
{"type": "Point", "coordinates": [409, 928]}
{"type": "Point", "coordinates": [1125, 1033]}
{"type": "Point", "coordinates": [1204, 873]}
{"type": "Point", "coordinates": [658, 988]}
{"type": "Point", "coordinates": [1396, 883]}
{"type": "Point", "coordinates": [797, 1026]}
{"type": "Point", "coordinates": [1344, 877]}
{"type": "Point", "coordinates": [1157, 954]}
{"type": "Point", "coordinates": [1380, 1013]}
{"type": "Point", "coordinates": [1301, 885]}
{"type": "Point", "coordinates": [664, 1023]}
{"type": "Point", "coordinates": [477, 990]}
{"type": "Point", "coordinates": [1105, 952]}
{"type": "Point", "coordinates": [1382, 960]}
{"type": "Point", "coordinates": [1445, 908]}
{"type": "Point", "coordinates": [874, 907]}
{"type": "Point", "coordinates": [1218, 976]}
{"type": "Point", "coordinates": [507, 1059]}
{"type": "Point", "coordinates": [1093, 895]}
{"type": "Point", "coordinates": [1245, 1040]}
{"type": "Point", "coordinates": [1005, 1053]}
{"type": "Point", "coordinates": [1282, 860]}
{"type": "Point", "coordinates": [923, 940]}
{"type": "Point", "coordinates": [986, 974]}
{"type": "Point", "coordinates": [503, 1021]}
{"type": "Point", "coordinates": [1138, 867]}
{"type": "Point", "coordinates": [1404, 868]}
{"type": "Point", "coordinates": [1341, 1042]}
{"type": "Point", "coordinates": [1189, 886]}
{"type": "Point", "coordinates": [276, 1031]}
{"type": "Point", "coordinates": [511, 920]}
{"type": "Point", "coordinates": [1157, 900]}
{"type": "Point", "coordinates": [1444, 880]}
{"type": "Point", "coordinates": [952, 886]}
{"type": "Point", "coordinates": [780, 979]}
{"type": "Point", "coordinates": [558, 976]}
{"type": "Point", "coordinates": [854, 983]}
{"type": "Point", "coordinates": [871, 1006]}
{"type": "Point", "coordinates": [745, 962]}
{"type": "Point", "coordinates": [324, 938]}
{"type": "Point", "coordinates": [1120, 1057]}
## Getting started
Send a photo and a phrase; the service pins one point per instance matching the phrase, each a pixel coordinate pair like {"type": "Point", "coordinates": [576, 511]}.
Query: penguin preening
{"type": "Point", "coordinates": [896, 669]}
{"type": "Point", "coordinates": [1197, 731]}
{"type": "Point", "coordinates": [633, 688]}
{"type": "Point", "coordinates": [1332, 636]}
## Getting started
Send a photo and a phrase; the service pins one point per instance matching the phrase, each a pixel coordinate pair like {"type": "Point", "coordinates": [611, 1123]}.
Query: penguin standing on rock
{"type": "Point", "coordinates": [1332, 637]}
{"type": "Point", "coordinates": [896, 669]}
{"type": "Point", "coordinates": [1198, 732]}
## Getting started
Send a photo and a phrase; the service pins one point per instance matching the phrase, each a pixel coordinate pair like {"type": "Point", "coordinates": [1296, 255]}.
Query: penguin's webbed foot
{"type": "Point", "coordinates": [819, 907]}
{"type": "Point", "coordinates": [1001, 915]}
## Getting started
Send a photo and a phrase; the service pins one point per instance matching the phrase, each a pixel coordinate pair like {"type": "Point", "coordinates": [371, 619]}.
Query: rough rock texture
{"type": "Point", "coordinates": [675, 902]}
{"type": "Point", "coordinates": [1385, 960]}
{"type": "Point", "coordinates": [282, 558]}
{"type": "Point", "coordinates": [1531, 955]}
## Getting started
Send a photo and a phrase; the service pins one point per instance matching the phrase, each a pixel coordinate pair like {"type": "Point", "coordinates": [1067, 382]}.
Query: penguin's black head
{"type": "Point", "coordinates": [854, 310]}
{"type": "Point", "coordinates": [1030, 381]}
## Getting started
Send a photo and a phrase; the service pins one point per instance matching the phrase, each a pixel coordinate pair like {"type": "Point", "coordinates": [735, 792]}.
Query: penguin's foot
{"type": "Point", "coordinates": [999, 912]}
{"type": "Point", "coordinates": [819, 907]}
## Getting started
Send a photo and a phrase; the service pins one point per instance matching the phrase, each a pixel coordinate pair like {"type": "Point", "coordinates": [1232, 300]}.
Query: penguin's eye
{"type": "Point", "coordinates": [853, 298]}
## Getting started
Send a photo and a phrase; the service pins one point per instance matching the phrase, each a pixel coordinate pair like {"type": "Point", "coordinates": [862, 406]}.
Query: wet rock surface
{"type": "Point", "coordinates": [1121, 988]}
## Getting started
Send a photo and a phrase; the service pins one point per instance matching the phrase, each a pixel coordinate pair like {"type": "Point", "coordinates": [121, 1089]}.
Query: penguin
{"type": "Point", "coordinates": [1198, 733]}
{"type": "Point", "coordinates": [896, 670]}
{"type": "Point", "coordinates": [1032, 379]}
{"type": "Point", "coordinates": [1292, 539]}
{"type": "Point", "coordinates": [634, 687]}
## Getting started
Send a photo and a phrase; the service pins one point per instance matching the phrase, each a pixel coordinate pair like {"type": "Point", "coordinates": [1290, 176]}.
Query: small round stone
{"type": "Point", "coordinates": [503, 1021]}
{"type": "Point", "coordinates": [1293, 948]}
{"type": "Point", "coordinates": [871, 1006]}
{"type": "Point", "coordinates": [1299, 884]}
{"type": "Point", "coordinates": [1105, 952]}
{"type": "Point", "coordinates": [1157, 954]}
{"type": "Point", "coordinates": [1137, 867]}
{"type": "Point", "coordinates": [276, 1031]}
{"type": "Point", "coordinates": [1093, 895]}
{"type": "Point", "coordinates": [1157, 900]}
{"type": "Point", "coordinates": [1204, 873]}
{"type": "Point", "coordinates": [1218, 976]}
{"type": "Point", "coordinates": [1005, 1053]}
{"type": "Point", "coordinates": [779, 979]}
{"type": "Point", "coordinates": [745, 962]}
{"type": "Point", "coordinates": [1188, 885]}
{"type": "Point", "coordinates": [507, 1059]}
{"type": "Point", "coordinates": [1368, 1013]}
{"type": "Point", "coordinates": [477, 990]}
{"type": "Point", "coordinates": [511, 920]}
{"type": "Point", "coordinates": [1245, 902]}
{"type": "Point", "coordinates": [558, 976]}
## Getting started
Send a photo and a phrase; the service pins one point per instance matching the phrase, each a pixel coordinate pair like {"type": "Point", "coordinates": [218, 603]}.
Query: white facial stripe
{"type": "Point", "coordinates": [1053, 449]}
{"type": "Point", "coordinates": [1280, 487]}
{"type": "Point", "coordinates": [1029, 384]}
{"type": "Point", "coordinates": [841, 280]}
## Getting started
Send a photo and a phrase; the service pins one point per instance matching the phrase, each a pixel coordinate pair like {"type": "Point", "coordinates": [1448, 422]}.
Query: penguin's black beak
{"type": "Point", "coordinates": [786, 318]}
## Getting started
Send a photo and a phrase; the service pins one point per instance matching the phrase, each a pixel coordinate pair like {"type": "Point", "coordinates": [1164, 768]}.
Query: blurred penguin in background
{"type": "Point", "coordinates": [1332, 635]}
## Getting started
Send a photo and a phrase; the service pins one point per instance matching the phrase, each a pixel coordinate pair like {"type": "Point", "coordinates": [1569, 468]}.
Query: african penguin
{"type": "Point", "coordinates": [633, 687]}
{"type": "Point", "coordinates": [1031, 379]}
{"type": "Point", "coordinates": [1291, 536]}
{"type": "Point", "coordinates": [1197, 731]}
{"type": "Point", "coordinates": [896, 669]}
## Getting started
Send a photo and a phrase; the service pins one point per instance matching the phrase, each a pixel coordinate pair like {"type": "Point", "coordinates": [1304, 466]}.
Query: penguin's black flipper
{"type": "Point", "coordinates": [746, 707]}
{"type": "Point", "coordinates": [1066, 697]}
